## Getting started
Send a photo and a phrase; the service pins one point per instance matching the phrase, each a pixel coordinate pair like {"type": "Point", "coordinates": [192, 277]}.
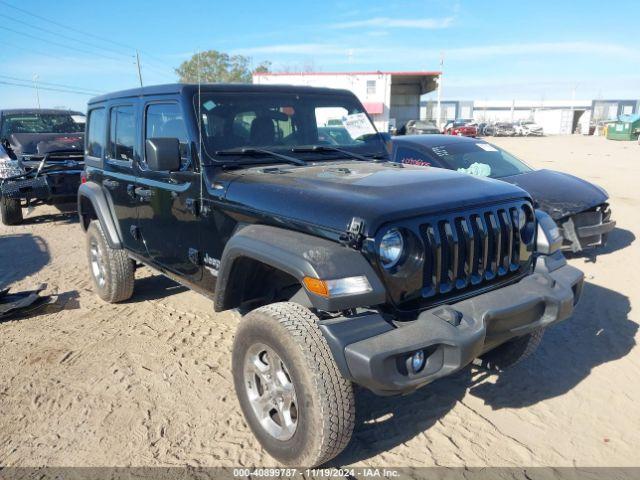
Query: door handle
{"type": "Point", "coordinates": [191, 205]}
{"type": "Point", "coordinates": [143, 193]}
{"type": "Point", "coordinates": [110, 184]}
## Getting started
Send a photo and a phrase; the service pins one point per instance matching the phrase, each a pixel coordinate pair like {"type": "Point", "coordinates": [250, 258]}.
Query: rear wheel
{"type": "Point", "coordinates": [291, 392]}
{"type": "Point", "coordinates": [10, 211]}
{"type": "Point", "coordinates": [112, 271]}
{"type": "Point", "coordinates": [512, 352]}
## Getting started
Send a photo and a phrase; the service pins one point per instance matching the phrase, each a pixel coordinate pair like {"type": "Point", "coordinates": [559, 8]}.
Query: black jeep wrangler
{"type": "Point", "coordinates": [350, 269]}
{"type": "Point", "coordinates": [41, 159]}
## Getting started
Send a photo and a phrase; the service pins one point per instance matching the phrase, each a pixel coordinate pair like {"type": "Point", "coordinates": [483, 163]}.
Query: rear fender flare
{"type": "Point", "coordinates": [93, 194]}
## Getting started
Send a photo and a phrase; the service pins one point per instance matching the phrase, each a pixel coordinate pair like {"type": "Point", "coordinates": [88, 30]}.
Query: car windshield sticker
{"type": "Point", "coordinates": [358, 125]}
{"type": "Point", "coordinates": [440, 151]}
{"type": "Point", "coordinates": [415, 161]}
{"type": "Point", "coordinates": [486, 147]}
{"type": "Point", "coordinates": [78, 118]}
{"type": "Point", "coordinates": [208, 105]}
{"type": "Point", "coordinates": [477, 169]}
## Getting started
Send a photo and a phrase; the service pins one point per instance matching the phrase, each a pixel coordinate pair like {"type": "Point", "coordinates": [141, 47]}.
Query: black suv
{"type": "Point", "coordinates": [40, 159]}
{"type": "Point", "coordinates": [349, 268]}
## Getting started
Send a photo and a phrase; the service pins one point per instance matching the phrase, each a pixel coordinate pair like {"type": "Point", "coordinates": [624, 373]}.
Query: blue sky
{"type": "Point", "coordinates": [493, 50]}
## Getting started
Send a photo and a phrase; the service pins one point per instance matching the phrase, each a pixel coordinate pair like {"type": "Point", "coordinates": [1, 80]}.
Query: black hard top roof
{"type": "Point", "coordinates": [435, 140]}
{"type": "Point", "coordinates": [28, 111]}
{"type": "Point", "coordinates": [191, 88]}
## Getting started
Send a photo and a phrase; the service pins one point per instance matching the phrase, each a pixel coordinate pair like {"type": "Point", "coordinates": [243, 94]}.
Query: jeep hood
{"type": "Point", "coordinates": [559, 194]}
{"type": "Point", "coordinates": [329, 195]}
{"type": "Point", "coordinates": [41, 143]}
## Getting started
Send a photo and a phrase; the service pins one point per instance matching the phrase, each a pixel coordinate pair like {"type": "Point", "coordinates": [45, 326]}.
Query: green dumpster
{"type": "Point", "coordinates": [626, 128]}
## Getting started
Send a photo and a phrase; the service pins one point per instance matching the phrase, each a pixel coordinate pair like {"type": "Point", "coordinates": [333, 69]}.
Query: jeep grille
{"type": "Point", "coordinates": [463, 252]}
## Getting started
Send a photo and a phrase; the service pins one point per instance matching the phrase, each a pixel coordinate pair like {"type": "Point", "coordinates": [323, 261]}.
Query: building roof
{"type": "Point", "coordinates": [378, 72]}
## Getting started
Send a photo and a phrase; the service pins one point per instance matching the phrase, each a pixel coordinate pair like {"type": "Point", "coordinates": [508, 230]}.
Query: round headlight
{"type": "Point", "coordinates": [391, 247]}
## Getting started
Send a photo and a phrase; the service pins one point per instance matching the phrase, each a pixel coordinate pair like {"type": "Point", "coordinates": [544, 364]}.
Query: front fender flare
{"type": "Point", "coordinates": [93, 193]}
{"type": "Point", "coordinates": [300, 255]}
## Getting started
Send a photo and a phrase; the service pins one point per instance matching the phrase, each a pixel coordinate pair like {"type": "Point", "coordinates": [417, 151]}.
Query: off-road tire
{"type": "Point", "coordinates": [119, 269]}
{"type": "Point", "coordinates": [512, 352]}
{"type": "Point", "coordinates": [10, 211]}
{"type": "Point", "coordinates": [326, 416]}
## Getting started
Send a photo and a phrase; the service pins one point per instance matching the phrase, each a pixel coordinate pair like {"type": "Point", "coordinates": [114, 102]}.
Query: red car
{"type": "Point", "coordinates": [462, 128]}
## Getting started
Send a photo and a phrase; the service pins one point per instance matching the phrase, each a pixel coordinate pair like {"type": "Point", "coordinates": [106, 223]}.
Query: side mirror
{"type": "Point", "coordinates": [163, 154]}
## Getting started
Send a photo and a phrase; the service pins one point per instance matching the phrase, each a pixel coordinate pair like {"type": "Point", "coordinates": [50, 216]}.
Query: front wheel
{"type": "Point", "coordinates": [512, 352]}
{"type": "Point", "coordinates": [291, 392]}
{"type": "Point", "coordinates": [10, 211]}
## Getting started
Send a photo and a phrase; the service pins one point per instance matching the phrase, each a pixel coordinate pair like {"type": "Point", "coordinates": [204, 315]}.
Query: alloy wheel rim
{"type": "Point", "coordinates": [97, 264]}
{"type": "Point", "coordinates": [271, 392]}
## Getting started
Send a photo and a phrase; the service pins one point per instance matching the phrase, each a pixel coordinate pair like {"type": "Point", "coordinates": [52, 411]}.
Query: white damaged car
{"type": "Point", "coordinates": [527, 128]}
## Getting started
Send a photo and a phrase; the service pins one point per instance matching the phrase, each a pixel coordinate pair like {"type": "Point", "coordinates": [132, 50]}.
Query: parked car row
{"type": "Point", "coordinates": [470, 128]}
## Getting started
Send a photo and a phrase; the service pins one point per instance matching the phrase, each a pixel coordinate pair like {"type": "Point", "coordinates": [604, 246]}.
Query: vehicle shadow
{"type": "Point", "coordinates": [64, 217]}
{"type": "Point", "coordinates": [599, 332]}
{"type": "Point", "coordinates": [618, 239]}
{"type": "Point", "coordinates": [21, 255]}
{"type": "Point", "coordinates": [155, 287]}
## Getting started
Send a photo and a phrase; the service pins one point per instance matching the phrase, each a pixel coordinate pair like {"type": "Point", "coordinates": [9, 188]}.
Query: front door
{"type": "Point", "coordinates": [168, 201]}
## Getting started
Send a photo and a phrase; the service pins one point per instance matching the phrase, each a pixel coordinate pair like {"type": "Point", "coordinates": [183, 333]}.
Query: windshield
{"type": "Point", "coordinates": [479, 158]}
{"type": "Point", "coordinates": [281, 122]}
{"type": "Point", "coordinates": [41, 123]}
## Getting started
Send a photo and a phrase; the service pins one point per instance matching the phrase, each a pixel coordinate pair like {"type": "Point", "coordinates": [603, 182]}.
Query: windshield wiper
{"type": "Point", "coordinates": [262, 151]}
{"type": "Point", "coordinates": [328, 148]}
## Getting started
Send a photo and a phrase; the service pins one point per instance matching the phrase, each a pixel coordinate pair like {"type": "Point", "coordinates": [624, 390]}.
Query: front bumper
{"type": "Point", "coordinates": [375, 353]}
{"type": "Point", "coordinates": [586, 229]}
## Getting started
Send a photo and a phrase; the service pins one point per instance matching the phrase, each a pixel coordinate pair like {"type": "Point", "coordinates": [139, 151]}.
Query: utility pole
{"type": "Point", "coordinates": [139, 69]}
{"type": "Point", "coordinates": [438, 105]}
{"type": "Point", "coordinates": [35, 84]}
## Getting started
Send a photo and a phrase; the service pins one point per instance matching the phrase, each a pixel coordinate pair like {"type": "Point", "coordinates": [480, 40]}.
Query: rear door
{"type": "Point", "coordinates": [119, 173]}
{"type": "Point", "coordinates": [168, 202]}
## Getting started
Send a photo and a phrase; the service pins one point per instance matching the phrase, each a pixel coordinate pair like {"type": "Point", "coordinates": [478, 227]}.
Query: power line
{"type": "Point", "coordinates": [84, 34]}
{"type": "Point", "coordinates": [68, 47]}
{"type": "Point", "coordinates": [61, 35]}
{"type": "Point", "coordinates": [2, 82]}
{"type": "Point", "coordinates": [76, 88]}
{"type": "Point", "coordinates": [84, 42]}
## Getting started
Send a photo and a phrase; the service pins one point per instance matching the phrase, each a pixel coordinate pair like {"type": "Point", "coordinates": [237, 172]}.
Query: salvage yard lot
{"type": "Point", "coordinates": [148, 382]}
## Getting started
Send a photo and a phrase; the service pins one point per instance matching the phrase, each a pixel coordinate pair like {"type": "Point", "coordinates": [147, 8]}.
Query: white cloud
{"type": "Point", "coordinates": [314, 49]}
{"type": "Point", "coordinates": [546, 48]}
{"type": "Point", "coordinates": [414, 55]}
{"type": "Point", "coordinates": [382, 22]}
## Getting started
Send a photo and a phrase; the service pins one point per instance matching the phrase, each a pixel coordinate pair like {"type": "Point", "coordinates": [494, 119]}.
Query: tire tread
{"type": "Point", "coordinates": [121, 268]}
{"type": "Point", "coordinates": [335, 392]}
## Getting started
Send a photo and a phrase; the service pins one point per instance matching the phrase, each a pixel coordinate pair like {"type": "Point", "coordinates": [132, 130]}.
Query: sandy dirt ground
{"type": "Point", "coordinates": [148, 382]}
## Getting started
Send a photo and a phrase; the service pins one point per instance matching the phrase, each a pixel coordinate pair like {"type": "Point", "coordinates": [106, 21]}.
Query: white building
{"type": "Point", "coordinates": [391, 98]}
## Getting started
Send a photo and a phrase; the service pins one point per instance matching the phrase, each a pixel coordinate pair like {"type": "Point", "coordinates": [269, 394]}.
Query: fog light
{"type": "Point", "coordinates": [417, 361]}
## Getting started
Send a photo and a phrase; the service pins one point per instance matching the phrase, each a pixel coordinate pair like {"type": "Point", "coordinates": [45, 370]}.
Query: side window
{"type": "Point", "coordinates": [165, 120]}
{"type": "Point", "coordinates": [96, 133]}
{"type": "Point", "coordinates": [413, 157]}
{"type": "Point", "coordinates": [122, 133]}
